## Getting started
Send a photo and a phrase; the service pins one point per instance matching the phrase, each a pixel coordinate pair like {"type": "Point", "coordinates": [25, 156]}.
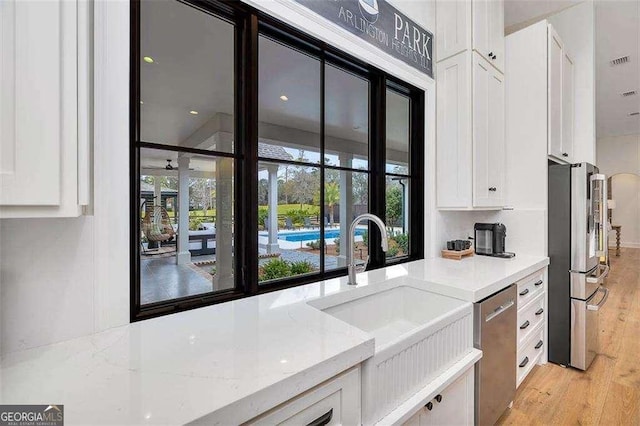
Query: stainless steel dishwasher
{"type": "Point", "coordinates": [495, 334]}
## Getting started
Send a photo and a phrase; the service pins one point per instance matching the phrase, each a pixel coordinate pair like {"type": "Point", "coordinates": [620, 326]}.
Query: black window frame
{"type": "Point", "coordinates": [250, 24]}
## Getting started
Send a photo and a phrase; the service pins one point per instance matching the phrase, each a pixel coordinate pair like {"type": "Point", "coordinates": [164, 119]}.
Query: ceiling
{"type": "Point", "coordinates": [521, 13]}
{"type": "Point", "coordinates": [193, 70]}
{"type": "Point", "coordinates": [617, 34]}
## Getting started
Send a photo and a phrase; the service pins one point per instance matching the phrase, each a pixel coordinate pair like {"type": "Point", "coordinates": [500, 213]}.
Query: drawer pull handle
{"type": "Point", "coordinates": [524, 292]}
{"type": "Point", "coordinates": [524, 362]}
{"type": "Point", "coordinates": [538, 283]}
{"type": "Point", "coordinates": [323, 419]}
{"type": "Point", "coordinates": [429, 405]}
{"type": "Point", "coordinates": [524, 325]}
{"type": "Point", "coordinates": [439, 398]}
{"type": "Point", "coordinates": [539, 311]}
{"type": "Point", "coordinates": [539, 344]}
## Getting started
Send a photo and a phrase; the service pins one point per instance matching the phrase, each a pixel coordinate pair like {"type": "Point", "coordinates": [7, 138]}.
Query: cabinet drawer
{"type": "Point", "coordinates": [529, 354]}
{"type": "Point", "coordinates": [530, 287]}
{"type": "Point", "coordinates": [529, 318]}
{"type": "Point", "coordinates": [331, 403]}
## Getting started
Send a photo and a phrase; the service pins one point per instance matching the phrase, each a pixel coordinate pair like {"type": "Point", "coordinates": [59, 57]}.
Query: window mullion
{"type": "Point", "coordinates": [377, 152]}
{"type": "Point", "coordinates": [246, 222]}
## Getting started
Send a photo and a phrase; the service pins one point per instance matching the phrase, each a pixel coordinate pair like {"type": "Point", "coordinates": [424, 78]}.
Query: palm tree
{"type": "Point", "coordinates": [331, 198]}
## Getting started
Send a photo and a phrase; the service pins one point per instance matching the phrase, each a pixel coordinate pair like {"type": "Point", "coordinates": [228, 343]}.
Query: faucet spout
{"type": "Point", "coordinates": [352, 267]}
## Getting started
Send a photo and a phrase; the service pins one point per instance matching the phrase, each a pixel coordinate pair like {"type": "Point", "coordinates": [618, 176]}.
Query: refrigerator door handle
{"type": "Point", "coordinates": [600, 278]}
{"type": "Point", "coordinates": [602, 301]}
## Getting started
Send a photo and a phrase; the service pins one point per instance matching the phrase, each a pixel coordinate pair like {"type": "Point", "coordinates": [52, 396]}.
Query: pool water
{"type": "Point", "coordinates": [313, 235]}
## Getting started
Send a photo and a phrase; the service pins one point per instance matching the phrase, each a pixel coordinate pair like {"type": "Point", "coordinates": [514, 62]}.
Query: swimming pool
{"type": "Point", "coordinates": [313, 235]}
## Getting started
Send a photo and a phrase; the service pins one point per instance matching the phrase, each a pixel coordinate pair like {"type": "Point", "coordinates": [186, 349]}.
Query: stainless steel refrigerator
{"type": "Point", "coordinates": [578, 262]}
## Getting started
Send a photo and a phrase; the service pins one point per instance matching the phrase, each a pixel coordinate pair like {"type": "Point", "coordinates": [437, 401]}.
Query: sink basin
{"type": "Point", "coordinates": [418, 335]}
{"type": "Point", "coordinates": [392, 314]}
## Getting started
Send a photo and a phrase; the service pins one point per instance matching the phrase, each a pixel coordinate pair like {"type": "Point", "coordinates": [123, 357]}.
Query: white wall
{"type": "Point", "coordinates": [619, 156]}
{"type": "Point", "coordinates": [65, 278]}
{"type": "Point", "coordinates": [576, 28]}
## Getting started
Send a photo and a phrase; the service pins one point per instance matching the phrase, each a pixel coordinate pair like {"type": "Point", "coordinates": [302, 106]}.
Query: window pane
{"type": "Point", "coordinates": [346, 195]}
{"type": "Point", "coordinates": [186, 77]}
{"type": "Point", "coordinates": [346, 119]}
{"type": "Point", "coordinates": [180, 191]}
{"type": "Point", "coordinates": [288, 217]}
{"type": "Point", "coordinates": [397, 216]}
{"type": "Point", "coordinates": [288, 103]}
{"type": "Point", "coordinates": [397, 133]}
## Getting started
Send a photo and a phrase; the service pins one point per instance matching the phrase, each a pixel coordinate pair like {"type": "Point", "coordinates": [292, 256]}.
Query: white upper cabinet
{"type": "Point", "coordinates": [453, 123]}
{"type": "Point", "coordinates": [453, 28]}
{"type": "Point", "coordinates": [568, 107]}
{"type": "Point", "coordinates": [555, 93]}
{"type": "Point", "coordinates": [488, 134]}
{"type": "Point", "coordinates": [45, 89]}
{"type": "Point", "coordinates": [560, 98]}
{"type": "Point", "coordinates": [477, 25]}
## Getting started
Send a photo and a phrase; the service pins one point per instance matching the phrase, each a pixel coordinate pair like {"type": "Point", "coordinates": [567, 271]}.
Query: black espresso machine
{"type": "Point", "coordinates": [490, 239]}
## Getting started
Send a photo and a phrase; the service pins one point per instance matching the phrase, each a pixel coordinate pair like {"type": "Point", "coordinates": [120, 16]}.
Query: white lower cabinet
{"type": "Point", "coordinates": [453, 406]}
{"type": "Point", "coordinates": [531, 323]}
{"type": "Point", "coordinates": [335, 402]}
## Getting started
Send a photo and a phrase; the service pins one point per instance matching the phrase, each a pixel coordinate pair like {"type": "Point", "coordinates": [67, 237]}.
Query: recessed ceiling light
{"type": "Point", "coordinates": [148, 59]}
{"type": "Point", "coordinates": [356, 127]}
{"type": "Point", "coordinates": [141, 103]}
{"type": "Point", "coordinates": [192, 112]}
{"type": "Point", "coordinates": [284, 98]}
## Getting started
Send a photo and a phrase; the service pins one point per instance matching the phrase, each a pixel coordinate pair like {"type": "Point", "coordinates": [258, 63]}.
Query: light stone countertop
{"type": "Point", "coordinates": [231, 361]}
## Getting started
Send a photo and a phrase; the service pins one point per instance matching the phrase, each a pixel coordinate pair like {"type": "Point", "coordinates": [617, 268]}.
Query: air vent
{"type": "Point", "coordinates": [629, 93]}
{"type": "Point", "coordinates": [619, 61]}
{"type": "Point", "coordinates": [631, 114]}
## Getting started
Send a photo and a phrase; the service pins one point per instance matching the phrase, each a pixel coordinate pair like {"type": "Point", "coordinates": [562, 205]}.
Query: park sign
{"type": "Point", "coordinates": [381, 25]}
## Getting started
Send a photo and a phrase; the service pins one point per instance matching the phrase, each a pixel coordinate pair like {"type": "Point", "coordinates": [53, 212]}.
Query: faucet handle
{"type": "Point", "coordinates": [360, 266]}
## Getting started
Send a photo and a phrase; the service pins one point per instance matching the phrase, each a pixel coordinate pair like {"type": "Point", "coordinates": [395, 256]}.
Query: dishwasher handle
{"type": "Point", "coordinates": [500, 309]}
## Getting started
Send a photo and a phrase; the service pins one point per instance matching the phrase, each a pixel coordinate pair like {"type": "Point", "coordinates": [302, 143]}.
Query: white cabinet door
{"type": "Point", "coordinates": [31, 113]}
{"type": "Point", "coordinates": [453, 143]}
{"type": "Point", "coordinates": [453, 27]}
{"type": "Point", "coordinates": [497, 157]}
{"type": "Point", "coordinates": [567, 107]}
{"type": "Point", "coordinates": [456, 406]}
{"type": "Point", "coordinates": [496, 33]}
{"type": "Point", "coordinates": [481, 114]}
{"type": "Point", "coordinates": [555, 59]}
{"type": "Point", "coordinates": [481, 25]}
{"type": "Point", "coordinates": [45, 111]}
{"type": "Point", "coordinates": [488, 134]}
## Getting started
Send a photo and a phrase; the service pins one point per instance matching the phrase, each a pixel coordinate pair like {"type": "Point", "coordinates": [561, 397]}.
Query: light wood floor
{"type": "Point", "coordinates": [609, 392]}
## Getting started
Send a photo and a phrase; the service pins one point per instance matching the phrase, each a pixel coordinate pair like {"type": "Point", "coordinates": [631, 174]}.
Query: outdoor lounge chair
{"type": "Point", "coordinates": [156, 225]}
{"type": "Point", "coordinates": [288, 224]}
{"type": "Point", "coordinates": [308, 224]}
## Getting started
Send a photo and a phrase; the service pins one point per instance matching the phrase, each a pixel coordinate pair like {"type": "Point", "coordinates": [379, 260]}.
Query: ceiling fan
{"type": "Point", "coordinates": [168, 166]}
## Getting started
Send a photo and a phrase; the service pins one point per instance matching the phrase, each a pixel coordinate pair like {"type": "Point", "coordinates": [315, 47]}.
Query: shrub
{"type": "Point", "coordinates": [365, 238]}
{"type": "Point", "coordinates": [403, 242]}
{"type": "Point", "coordinates": [194, 223]}
{"type": "Point", "coordinates": [315, 245]}
{"type": "Point", "coordinates": [213, 270]}
{"type": "Point", "coordinates": [337, 244]}
{"type": "Point", "coordinates": [297, 215]}
{"type": "Point", "coordinates": [393, 251]}
{"type": "Point", "coordinates": [263, 213]}
{"type": "Point", "coordinates": [274, 269]}
{"type": "Point", "coordinates": [302, 267]}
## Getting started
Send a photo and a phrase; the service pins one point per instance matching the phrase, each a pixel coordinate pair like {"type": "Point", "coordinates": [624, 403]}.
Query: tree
{"type": "Point", "coordinates": [394, 205]}
{"type": "Point", "coordinates": [303, 185]}
{"type": "Point", "coordinates": [360, 187]}
{"type": "Point", "coordinates": [331, 198]}
{"type": "Point", "coordinates": [263, 192]}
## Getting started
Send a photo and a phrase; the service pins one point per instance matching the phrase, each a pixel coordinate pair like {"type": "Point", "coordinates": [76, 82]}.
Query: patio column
{"type": "Point", "coordinates": [183, 254]}
{"type": "Point", "coordinates": [272, 245]}
{"type": "Point", "coordinates": [157, 191]}
{"type": "Point", "coordinates": [224, 223]}
{"type": "Point", "coordinates": [346, 207]}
